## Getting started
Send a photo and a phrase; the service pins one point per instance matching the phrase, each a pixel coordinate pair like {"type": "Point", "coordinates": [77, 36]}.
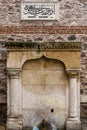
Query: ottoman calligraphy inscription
{"type": "Point", "coordinates": [38, 11]}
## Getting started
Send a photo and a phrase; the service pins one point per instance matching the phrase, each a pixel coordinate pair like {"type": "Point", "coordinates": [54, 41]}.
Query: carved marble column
{"type": "Point", "coordinates": [73, 121]}
{"type": "Point", "coordinates": [14, 99]}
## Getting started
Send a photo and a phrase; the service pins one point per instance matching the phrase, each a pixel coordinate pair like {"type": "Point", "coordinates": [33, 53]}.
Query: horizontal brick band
{"type": "Point", "coordinates": [43, 29]}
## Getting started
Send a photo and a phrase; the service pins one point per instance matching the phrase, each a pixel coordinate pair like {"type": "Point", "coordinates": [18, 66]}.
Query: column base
{"type": "Point", "coordinates": [73, 124]}
{"type": "Point", "coordinates": [14, 124]}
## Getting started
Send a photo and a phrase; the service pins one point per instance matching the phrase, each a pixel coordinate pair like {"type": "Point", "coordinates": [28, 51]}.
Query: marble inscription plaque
{"type": "Point", "coordinates": [39, 11]}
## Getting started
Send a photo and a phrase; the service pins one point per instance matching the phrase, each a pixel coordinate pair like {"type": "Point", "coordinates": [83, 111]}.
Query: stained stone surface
{"type": "Point", "coordinates": [44, 83]}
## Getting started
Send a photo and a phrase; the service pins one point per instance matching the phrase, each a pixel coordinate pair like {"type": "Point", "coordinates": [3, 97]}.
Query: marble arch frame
{"type": "Point", "coordinates": [17, 57]}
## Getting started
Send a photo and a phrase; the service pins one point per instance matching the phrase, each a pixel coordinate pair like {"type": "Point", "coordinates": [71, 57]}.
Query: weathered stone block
{"type": "Point", "coordinates": [72, 124]}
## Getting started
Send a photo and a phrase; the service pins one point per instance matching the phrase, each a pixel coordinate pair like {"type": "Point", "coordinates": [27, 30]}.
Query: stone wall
{"type": "Point", "coordinates": [71, 26]}
{"type": "Point", "coordinates": [70, 13]}
{"type": "Point", "coordinates": [3, 83]}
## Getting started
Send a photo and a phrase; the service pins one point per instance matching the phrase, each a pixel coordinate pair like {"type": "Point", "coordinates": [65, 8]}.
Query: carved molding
{"type": "Point", "coordinates": [72, 72]}
{"type": "Point", "coordinates": [72, 46]}
{"type": "Point", "coordinates": [13, 73]}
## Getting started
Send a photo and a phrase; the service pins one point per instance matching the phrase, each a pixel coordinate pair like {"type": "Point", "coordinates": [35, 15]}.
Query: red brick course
{"type": "Point", "coordinates": [43, 29]}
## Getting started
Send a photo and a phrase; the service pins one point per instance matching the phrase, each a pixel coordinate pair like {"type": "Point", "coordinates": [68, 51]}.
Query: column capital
{"type": "Point", "coordinates": [13, 73]}
{"type": "Point", "coordinates": [72, 72]}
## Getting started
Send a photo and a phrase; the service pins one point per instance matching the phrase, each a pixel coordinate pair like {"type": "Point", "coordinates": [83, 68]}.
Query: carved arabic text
{"type": "Point", "coordinates": [35, 10]}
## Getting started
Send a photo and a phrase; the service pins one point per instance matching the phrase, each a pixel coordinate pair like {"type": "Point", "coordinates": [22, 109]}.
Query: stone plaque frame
{"type": "Point", "coordinates": [39, 11]}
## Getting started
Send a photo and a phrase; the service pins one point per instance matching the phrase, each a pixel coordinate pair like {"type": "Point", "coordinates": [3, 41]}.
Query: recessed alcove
{"type": "Point", "coordinates": [43, 83]}
{"type": "Point", "coordinates": [45, 86]}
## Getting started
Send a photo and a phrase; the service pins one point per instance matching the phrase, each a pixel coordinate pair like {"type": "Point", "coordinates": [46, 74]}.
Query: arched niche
{"type": "Point", "coordinates": [45, 92]}
{"type": "Point", "coordinates": [51, 64]}
{"type": "Point", "coordinates": [17, 59]}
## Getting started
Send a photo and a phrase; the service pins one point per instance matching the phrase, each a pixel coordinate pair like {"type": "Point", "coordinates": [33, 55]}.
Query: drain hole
{"type": "Point", "coordinates": [52, 110]}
